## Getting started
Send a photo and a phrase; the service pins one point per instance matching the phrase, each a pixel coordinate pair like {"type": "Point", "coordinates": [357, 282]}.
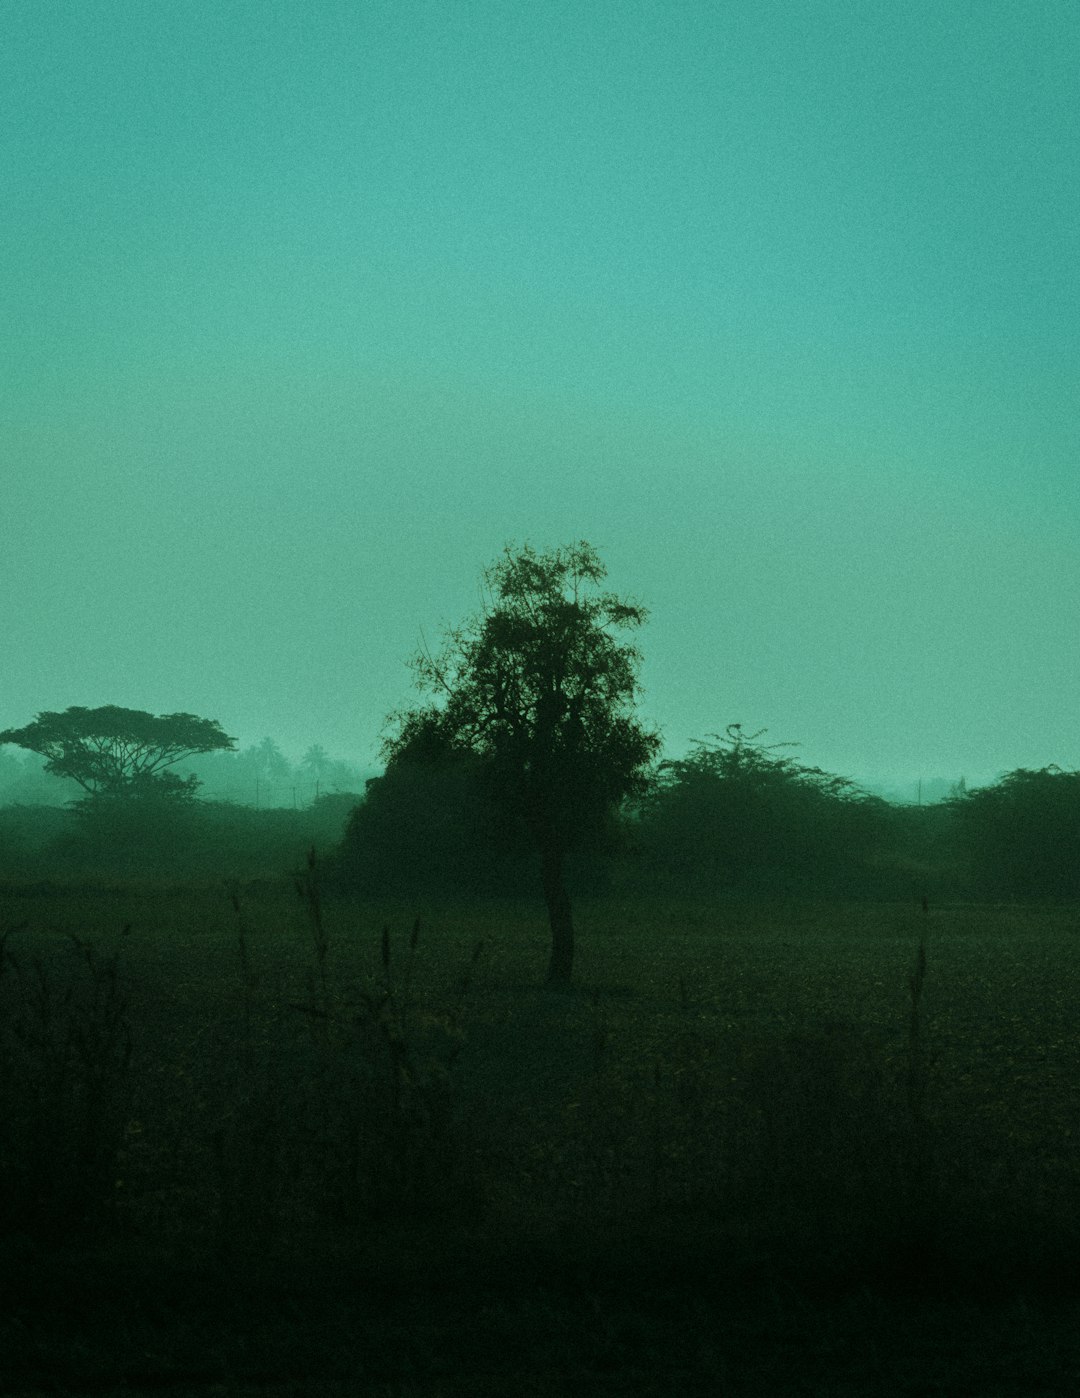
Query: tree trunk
{"type": "Point", "coordinates": [561, 966]}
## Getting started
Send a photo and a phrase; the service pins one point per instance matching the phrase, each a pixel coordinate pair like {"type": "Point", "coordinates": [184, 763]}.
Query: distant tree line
{"type": "Point", "coordinates": [732, 819]}
{"type": "Point", "coordinates": [260, 775]}
{"type": "Point", "coordinates": [130, 800]}
{"type": "Point", "coordinates": [525, 771]}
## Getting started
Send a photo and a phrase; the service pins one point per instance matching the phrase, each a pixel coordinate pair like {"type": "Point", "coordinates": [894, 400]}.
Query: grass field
{"type": "Point", "coordinates": [359, 1148]}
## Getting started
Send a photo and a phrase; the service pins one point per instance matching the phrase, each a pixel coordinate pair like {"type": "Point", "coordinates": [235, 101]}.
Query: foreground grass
{"type": "Point", "coordinates": [288, 1140]}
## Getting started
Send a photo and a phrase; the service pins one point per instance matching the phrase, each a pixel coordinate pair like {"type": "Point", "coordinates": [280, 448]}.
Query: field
{"type": "Point", "coordinates": [267, 1143]}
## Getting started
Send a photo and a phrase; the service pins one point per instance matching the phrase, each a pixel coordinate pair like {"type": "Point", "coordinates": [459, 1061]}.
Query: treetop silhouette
{"type": "Point", "coordinates": [540, 689]}
{"type": "Point", "coordinates": [112, 751]}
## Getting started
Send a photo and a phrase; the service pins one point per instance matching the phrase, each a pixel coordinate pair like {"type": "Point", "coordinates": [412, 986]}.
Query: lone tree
{"type": "Point", "coordinates": [538, 688]}
{"type": "Point", "coordinates": [114, 752]}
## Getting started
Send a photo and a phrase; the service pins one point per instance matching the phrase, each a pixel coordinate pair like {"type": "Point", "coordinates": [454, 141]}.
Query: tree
{"type": "Point", "coordinates": [273, 773]}
{"type": "Point", "coordinates": [113, 752]}
{"type": "Point", "coordinates": [316, 762]}
{"type": "Point", "coordinates": [538, 688]}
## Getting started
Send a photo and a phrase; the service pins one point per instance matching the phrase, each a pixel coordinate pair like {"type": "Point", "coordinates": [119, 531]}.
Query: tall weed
{"type": "Point", "coordinates": [65, 1050]}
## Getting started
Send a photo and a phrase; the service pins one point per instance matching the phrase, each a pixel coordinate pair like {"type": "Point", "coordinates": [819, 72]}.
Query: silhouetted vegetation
{"type": "Point", "coordinates": [819, 1061]}
{"type": "Point", "coordinates": [429, 825]}
{"type": "Point", "coordinates": [735, 819]}
{"type": "Point", "coordinates": [116, 753]}
{"type": "Point", "coordinates": [528, 767]}
{"type": "Point", "coordinates": [541, 695]}
{"type": "Point", "coordinates": [199, 842]}
{"type": "Point", "coordinates": [1020, 837]}
{"type": "Point", "coordinates": [737, 816]}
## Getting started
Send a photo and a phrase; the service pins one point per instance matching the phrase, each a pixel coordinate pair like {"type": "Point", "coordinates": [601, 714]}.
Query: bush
{"type": "Point", "coordinates": [1020, 838]}
{"type": "Point", "coordinates": [734, 816]}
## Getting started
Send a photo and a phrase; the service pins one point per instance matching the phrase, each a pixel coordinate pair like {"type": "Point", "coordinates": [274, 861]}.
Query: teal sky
{"type": "Point", "coordinates": [306, 309]}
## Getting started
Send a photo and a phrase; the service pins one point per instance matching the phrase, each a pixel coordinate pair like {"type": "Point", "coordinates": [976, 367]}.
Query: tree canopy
{"type": "Point", "coordinates": [540, 689]}
{"type": "Point", "coordinates": [738, 812]}
{"type": "Point", "coordinates": [1020, 837]}
{"type": "Point", "coordinates": [116, 752]}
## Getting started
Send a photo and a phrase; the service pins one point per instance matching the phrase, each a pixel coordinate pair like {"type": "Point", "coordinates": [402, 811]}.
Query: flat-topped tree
{"type": "Point", "coordinates": [538, 687]}
{"type": "Point", "coordinates": [121, 752]}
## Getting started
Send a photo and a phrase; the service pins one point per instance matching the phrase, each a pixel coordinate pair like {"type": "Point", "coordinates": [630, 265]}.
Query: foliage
{"type": "Point", "coordinates": [429, 824]}
{"type": "Point", "coordinates": [538, 689]}
{"type": "Point", "coordinates": [114, 752]}
{"type": "Point", "coordinates": [1020, 837]}
{"type": "Point", "coordinates": [736, 813]}
{"type": "Point", "coordinates": [193, 841]}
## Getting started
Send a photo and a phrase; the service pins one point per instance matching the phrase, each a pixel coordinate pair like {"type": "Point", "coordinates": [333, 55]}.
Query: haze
{"type": "Point", "coordinates": [307, 310]}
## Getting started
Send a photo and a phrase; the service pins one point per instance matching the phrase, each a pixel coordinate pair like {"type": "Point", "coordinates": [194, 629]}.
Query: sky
{"type": "Point", "coordinates": [308, 310]}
